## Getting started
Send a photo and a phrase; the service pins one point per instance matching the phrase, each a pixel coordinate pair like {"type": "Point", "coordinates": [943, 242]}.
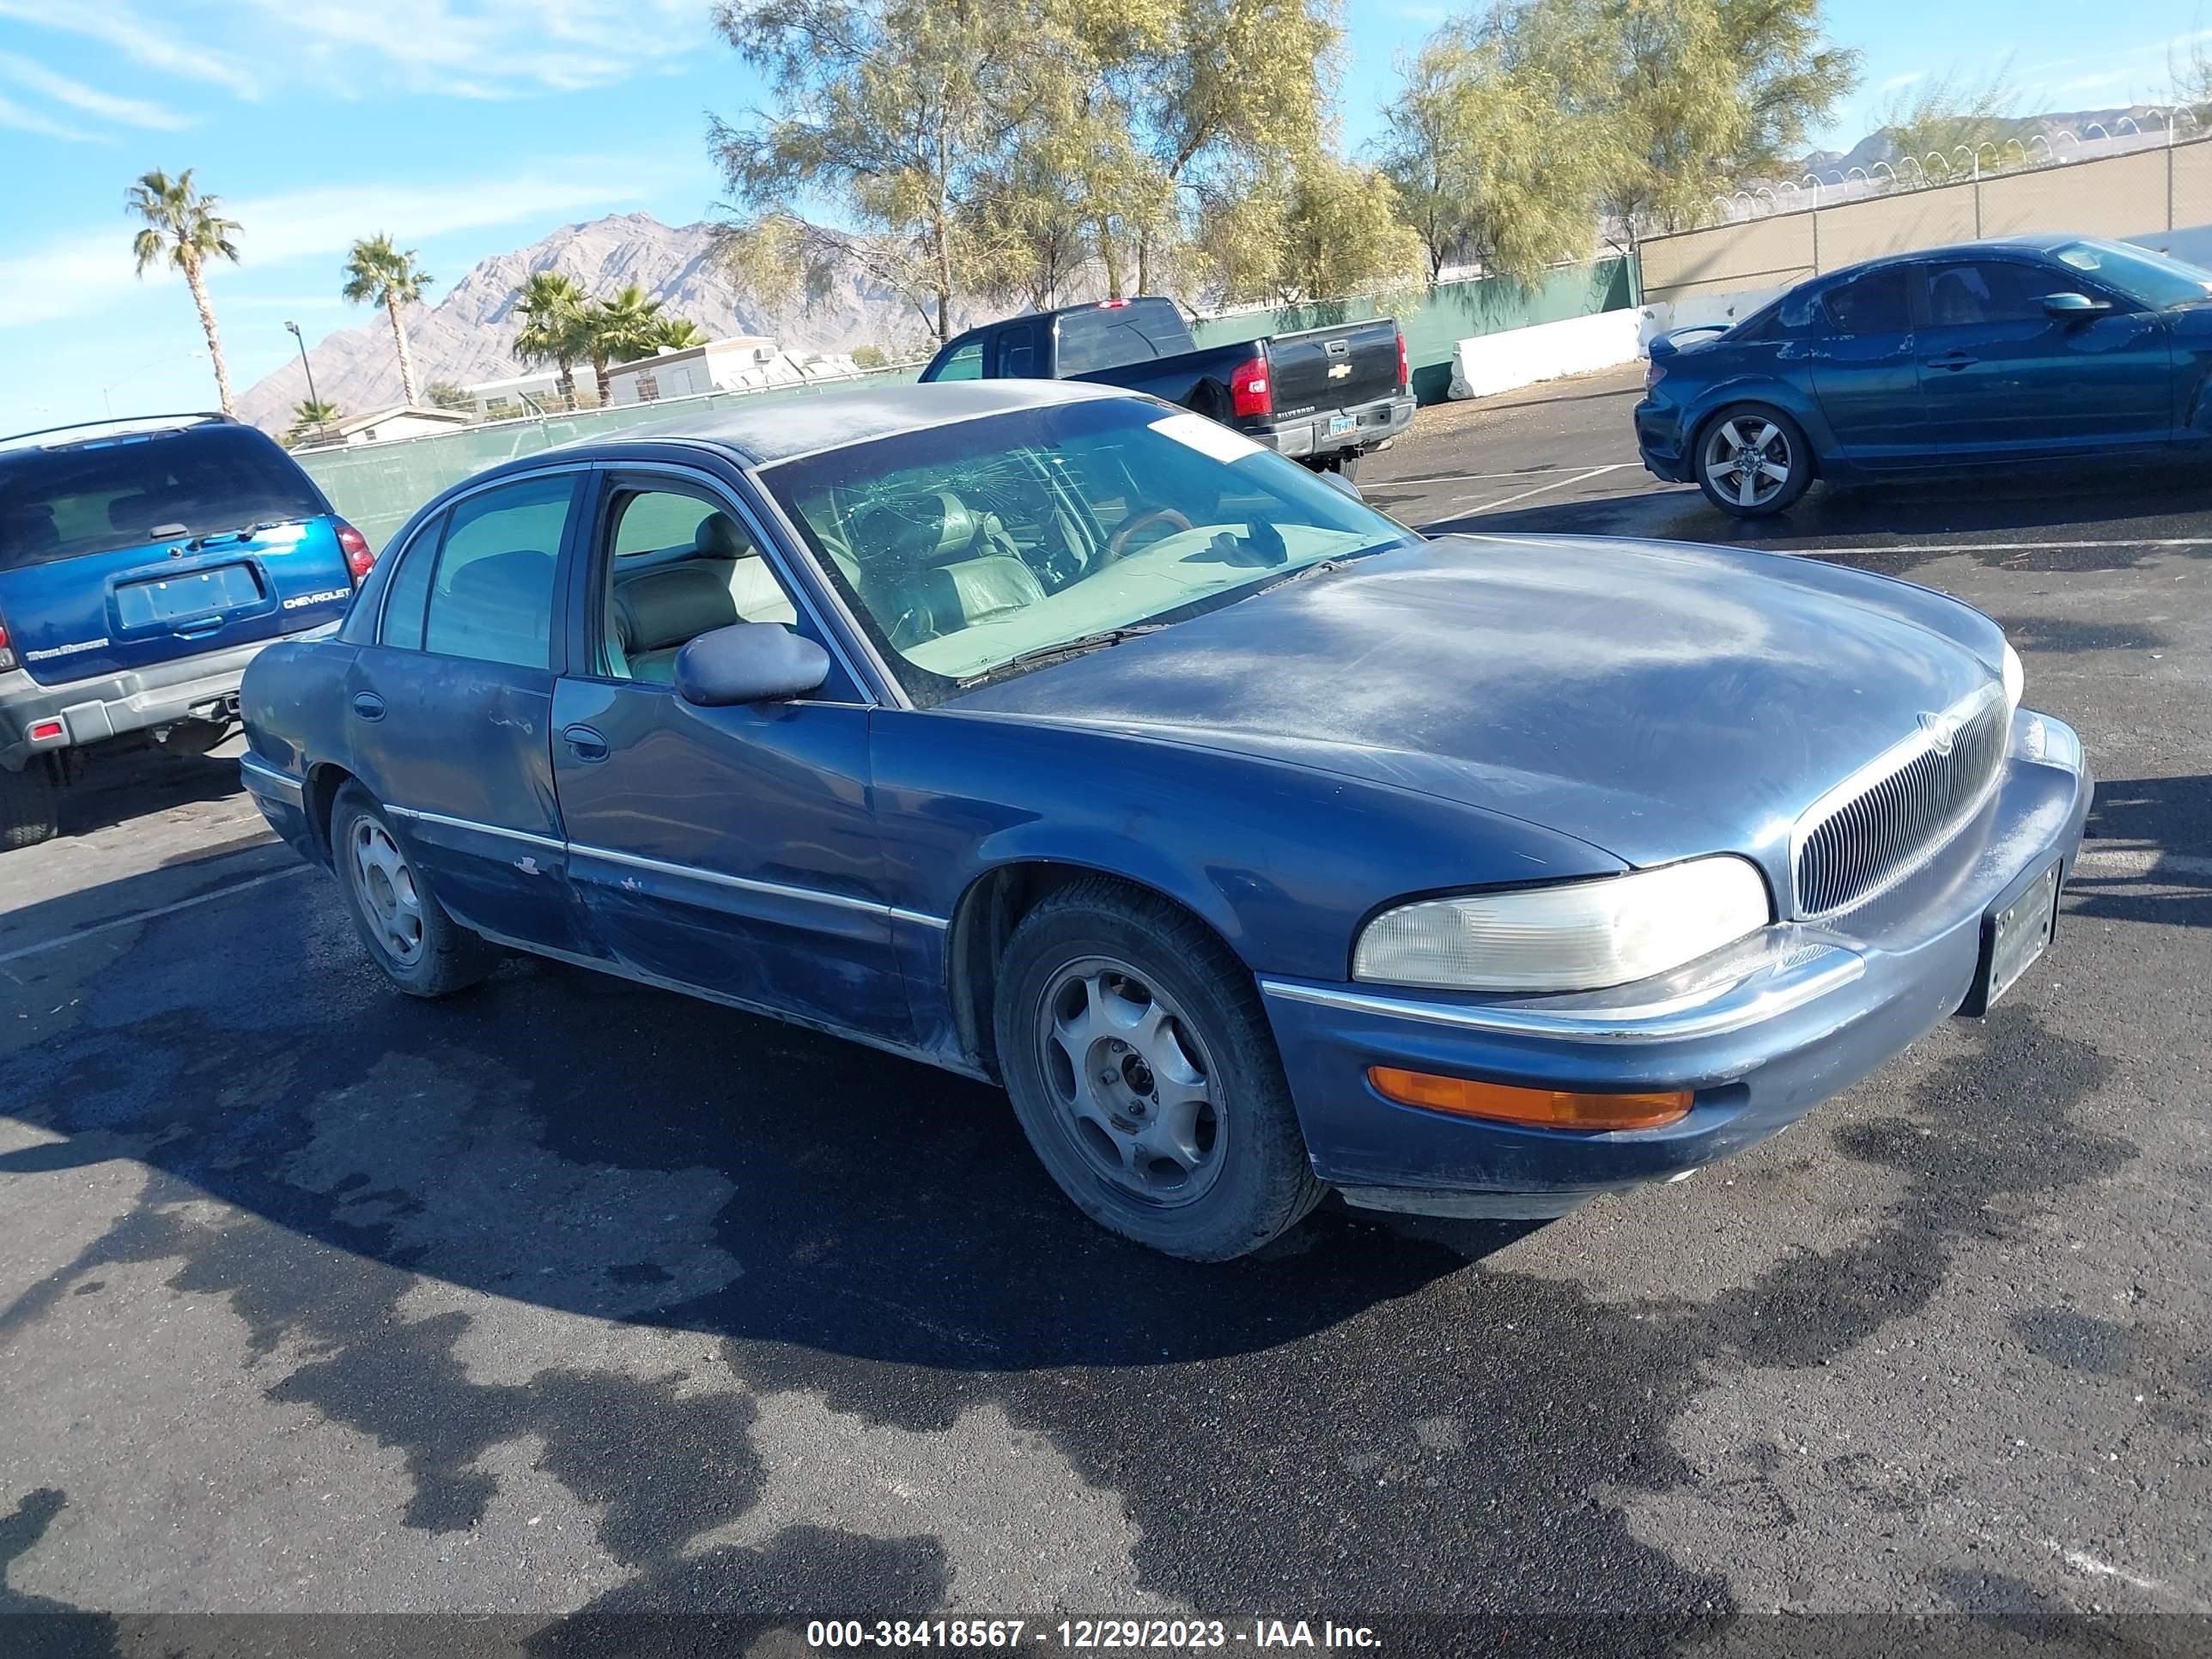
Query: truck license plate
{"type": "Point", "coordinates": [1341, 424]}
{"type": "Point", "coordinates": [2018, 934]}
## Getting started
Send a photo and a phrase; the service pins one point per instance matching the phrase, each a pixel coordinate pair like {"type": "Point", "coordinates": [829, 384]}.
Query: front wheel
{"type": "Point", "coordinates": [1752, 461]}
{"type": "Point", "coordinates": [1140, 1066]}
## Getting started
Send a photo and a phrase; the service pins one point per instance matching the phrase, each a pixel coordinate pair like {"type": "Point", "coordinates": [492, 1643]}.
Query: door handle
{"type": "Point", "coordinates": [368, 706]}
{"type": "Point", "coordinates": [1953, 359]}
{"type": "Point", "coordinates": [585, 743]}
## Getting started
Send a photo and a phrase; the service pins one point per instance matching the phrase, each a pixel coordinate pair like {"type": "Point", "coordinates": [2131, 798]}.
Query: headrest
{"type": "Point", "coordinates": [719, 537]}
{"type": "Point", "coordinates": [920, 530]}
{"type": "Point", "coordinates": [665, 607]}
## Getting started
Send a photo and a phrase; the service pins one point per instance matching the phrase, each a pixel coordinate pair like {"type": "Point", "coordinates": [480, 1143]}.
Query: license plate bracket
{"type": "Point", "coordinates": [2014, 937]}
{"type": "Point", "coordinates": [1341, 424]}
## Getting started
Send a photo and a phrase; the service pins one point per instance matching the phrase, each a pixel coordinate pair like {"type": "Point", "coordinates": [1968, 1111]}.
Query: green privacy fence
{"type": "Point", "coordinates": [378, 486]}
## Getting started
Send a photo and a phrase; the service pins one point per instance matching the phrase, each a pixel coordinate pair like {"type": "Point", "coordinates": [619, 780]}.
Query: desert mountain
{"type": "Point", "coordinates": [468, 334]}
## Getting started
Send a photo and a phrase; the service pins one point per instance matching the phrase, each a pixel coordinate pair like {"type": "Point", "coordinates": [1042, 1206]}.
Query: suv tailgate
{"type": "Point", "coordinates": [120, 554]}
{"type": "Point", "coordinates": [1334, 367]}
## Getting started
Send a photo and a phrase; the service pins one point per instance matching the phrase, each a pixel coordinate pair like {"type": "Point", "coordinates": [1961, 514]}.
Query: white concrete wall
{"type": "Point", "coordinates": [1492, 363]}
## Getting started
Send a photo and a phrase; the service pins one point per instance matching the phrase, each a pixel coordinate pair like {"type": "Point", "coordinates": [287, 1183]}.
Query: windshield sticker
{"type": "Point", "coordinates": [1206, 437]}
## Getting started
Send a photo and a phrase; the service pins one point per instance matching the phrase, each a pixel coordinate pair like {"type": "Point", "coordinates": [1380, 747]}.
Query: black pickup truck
{"type": "Point", "coordinates": [1324, 395]}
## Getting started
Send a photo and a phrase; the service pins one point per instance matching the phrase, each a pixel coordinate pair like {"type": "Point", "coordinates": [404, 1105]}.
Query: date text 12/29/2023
{"type": "Point", "coordinates": [1084, 1635]}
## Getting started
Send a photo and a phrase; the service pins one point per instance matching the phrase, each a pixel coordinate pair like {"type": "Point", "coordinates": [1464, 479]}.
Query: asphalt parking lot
{"type": "Point", "coordinates": [570, 1295]}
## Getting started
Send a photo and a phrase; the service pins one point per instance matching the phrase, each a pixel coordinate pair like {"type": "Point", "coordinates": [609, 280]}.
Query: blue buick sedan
{"type": "Point", "coordinates": [2039, 350]}
{"type": "Point", "coordinates": [1257, 845]}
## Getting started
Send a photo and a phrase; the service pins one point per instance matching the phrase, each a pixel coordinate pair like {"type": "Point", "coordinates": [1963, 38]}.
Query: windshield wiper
{"type": "Point", "coordinates": [1075, 647]}
{"type": "Point", "coordinates": [1320, 567]}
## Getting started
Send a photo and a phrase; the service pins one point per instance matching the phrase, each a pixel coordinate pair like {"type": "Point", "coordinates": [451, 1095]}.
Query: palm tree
{"type": "Point", "coordinates": [620, 330]}
{"type": "Point", "coordinates": [675, 333]}
{"type": "Point", "coordinates": [183, 226]}
{"type": "Point", "coordinates": [377, 273]}
{"type": "Point", "coordinates": [551, 308]}
{"type": "Point", "coordinates": [312, 415]}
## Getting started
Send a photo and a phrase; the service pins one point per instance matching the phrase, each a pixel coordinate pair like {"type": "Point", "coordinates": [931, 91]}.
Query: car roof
{"type": "Point", "coordinates": [762, 431]}
{"type": "Point", "coordinates": [2042, 243]}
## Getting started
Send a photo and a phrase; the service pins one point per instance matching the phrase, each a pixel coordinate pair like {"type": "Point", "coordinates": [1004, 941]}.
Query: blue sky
{"type": "Point", "coordinates": [469, 127]}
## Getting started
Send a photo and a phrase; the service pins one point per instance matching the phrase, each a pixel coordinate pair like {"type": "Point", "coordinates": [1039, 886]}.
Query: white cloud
{"type": "Point", "coordinates": [491, 48]}
{"type": "Point", "coordinates": [1898, 82]}
{"type": "Point", "coordinates": [87, 272]}
{"type": "Point", "coordinates": [25, 119]}
{"type": "Point", "coordinates": [129, 111]}
{"type": "Point", "coordinates": [114, 23]}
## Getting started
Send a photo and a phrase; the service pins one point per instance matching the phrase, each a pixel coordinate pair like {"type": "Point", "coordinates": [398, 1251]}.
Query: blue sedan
{"type": "Point", "coordinates": [2043, 350]}
{"type": "Point", "coordinates": [1256, 844]}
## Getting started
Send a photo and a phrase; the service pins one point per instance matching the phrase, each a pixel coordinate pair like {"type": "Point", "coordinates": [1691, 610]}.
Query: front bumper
{"type": "Point", "coordinates": [1307, 436]}
{"type": "Point", "coordinates": [1762, 1031]}
{"type": "Point", "coordinates": [114, 705]}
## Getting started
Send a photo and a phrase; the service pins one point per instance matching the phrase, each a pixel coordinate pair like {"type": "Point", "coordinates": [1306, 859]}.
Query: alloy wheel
{"type": "Point", "coordinates": [386, 886]}
{"type": "Point", "coordinates": [1748, 461]}
{"type": "Point", "coordinates": [1133, 1081]}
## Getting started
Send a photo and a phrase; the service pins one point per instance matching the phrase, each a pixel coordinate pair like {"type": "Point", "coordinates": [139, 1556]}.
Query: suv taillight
{"type": "Point", "coordinates": [1405, 370]}
{"type": "Point", "coordinates": [7, 651]}
{"type": "Point", "coordinates": [1249, 391]}
{"type": "Point", "coordinates": [358, 557]}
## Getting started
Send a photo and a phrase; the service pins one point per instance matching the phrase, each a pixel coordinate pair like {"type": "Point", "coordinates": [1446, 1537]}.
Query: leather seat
{"type": "Point", "coordinates": [933, 567]}
{"type": "Point", "coordinates": [658, 612]}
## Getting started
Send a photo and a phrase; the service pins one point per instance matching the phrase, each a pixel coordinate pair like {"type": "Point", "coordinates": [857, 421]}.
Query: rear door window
{"type": "Point", "coordinates": [410, 587]}
{"type": "Point", "coordinates": [1017, 353]}
{"type": "Point", "coordinates": [139, 488]}
{"type": "Point", "coordinates": [1109, 336]}
{"type": "Point", "coordinates": [1872, 304]}
{"type": "Point", "coordinates": [492, 600]}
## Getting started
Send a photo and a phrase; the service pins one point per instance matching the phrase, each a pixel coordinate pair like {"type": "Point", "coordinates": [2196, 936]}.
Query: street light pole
{"type": "Point", "coordinates": [294, 330]}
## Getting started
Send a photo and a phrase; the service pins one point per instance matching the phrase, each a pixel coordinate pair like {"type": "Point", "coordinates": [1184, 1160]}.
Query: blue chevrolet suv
{"type": "Point", "coordinates": [142, 563]}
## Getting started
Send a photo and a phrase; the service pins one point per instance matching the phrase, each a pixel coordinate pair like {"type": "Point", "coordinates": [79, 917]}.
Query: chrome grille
{"type": "Point", "coordinates": [1847, 848]}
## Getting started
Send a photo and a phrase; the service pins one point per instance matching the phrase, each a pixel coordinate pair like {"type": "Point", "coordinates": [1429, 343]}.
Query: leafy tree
{"type": "Point", "coordinates": [2192, 79]}
{"type": "Point", "coordinates": [1489, 159]}
{"type": "Point", "coordinates": [183, 226]}
{"type": "Point", "coordinates": [870, 356]}
{"type": "Point", "coordinates": [1327, 230]}
{"type": "Point", "coordinates": [312, 415]}
{"type": "Point", "coordinates": [444, 394]}
{"type": "Point", "coordinates": [895, 108]}
{"type": "Point", "coordinates": [620, 329]}
{"type": "Point", "coordinates": [377, 273]}
{"type": "Point", "coordinates": [674, 333]}
{"type": "Point", "coordinates": [551, 306]}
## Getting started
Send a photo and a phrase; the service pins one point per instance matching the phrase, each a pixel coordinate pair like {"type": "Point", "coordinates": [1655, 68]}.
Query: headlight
{"type": "Point", "coordinates": [2015, 676]}
{"type": "Point", "coordinates": [1579, 936]}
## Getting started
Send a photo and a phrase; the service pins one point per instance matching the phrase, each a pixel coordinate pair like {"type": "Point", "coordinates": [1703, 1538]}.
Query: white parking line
{"type": "Point", "coordinates": [159, 910]}
{"type": "Point", "coordinates": [1462, 477]}
{"type": "Point", "coordinates": [2140, 862]}
{"type": "Point", "coordinates": [1539, 489]}
{"type": "Point", "coordinates": [1993, 547]}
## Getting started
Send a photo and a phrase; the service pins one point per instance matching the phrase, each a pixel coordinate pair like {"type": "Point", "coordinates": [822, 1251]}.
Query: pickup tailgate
{"type": "Point", "coordinates": [1322, 368]}
{"type": "Point", "coordinates": [130, 607]}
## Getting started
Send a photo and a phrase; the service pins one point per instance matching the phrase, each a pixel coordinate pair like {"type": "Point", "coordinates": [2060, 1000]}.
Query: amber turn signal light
{"type": "Point", "coordinates": [1542, 1109]}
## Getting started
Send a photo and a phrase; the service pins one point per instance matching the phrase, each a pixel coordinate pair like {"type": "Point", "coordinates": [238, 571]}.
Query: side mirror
{"type": "Point", "coordinates": [2073, 307]}
{"type": "Point", "coordinates": [1344, 485]}
{"type": "Point", "coordinates": [749, 662]}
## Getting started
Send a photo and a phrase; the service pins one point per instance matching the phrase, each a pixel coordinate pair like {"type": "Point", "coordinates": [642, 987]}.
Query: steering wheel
{"type": "Point", "coordinates": [1117, 545]}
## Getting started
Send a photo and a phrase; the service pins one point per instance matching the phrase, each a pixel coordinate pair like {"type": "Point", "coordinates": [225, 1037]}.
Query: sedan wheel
{"type": "Point", "coordinates": [1143, 1073]}
{"type": "Point", "coordinates": [387, 891]}
{"type": "Point", "coordinates": [1130, 1076]}
{"type": "Point", "coordinates": [1752, 463]}
{"type": "Point", "coordinates": [422, 950]}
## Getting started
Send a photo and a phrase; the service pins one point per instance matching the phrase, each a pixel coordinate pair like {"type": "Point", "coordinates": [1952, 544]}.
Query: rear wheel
{"type": "Point", "coordinates": [1754, 461]}
{"type": "Point", "coordinates": [1347, 465]}
{"type": "Point", "coordinates": [30, 807]}
{"type": "Point", "coordinates": [422, 950]}
{"type": "Point", "coordinates": [1141, 1067]}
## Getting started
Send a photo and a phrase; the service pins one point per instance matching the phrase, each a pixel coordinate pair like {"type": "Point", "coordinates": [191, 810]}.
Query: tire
{"type": "Point", "coordinates": [1347, 465]}
{"type": "Point", "coordinates": [30, 807]}
{"type": "Point", "coordinates": [394, 908]}
{"type": "Point", "coordinates": [1725, 447]}
{"type": "Point", "coordinates": [1178, 1132]}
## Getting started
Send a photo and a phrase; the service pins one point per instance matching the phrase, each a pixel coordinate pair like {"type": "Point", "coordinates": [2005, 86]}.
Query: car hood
{"type": "Point", "coordinates": [1654, 699]}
